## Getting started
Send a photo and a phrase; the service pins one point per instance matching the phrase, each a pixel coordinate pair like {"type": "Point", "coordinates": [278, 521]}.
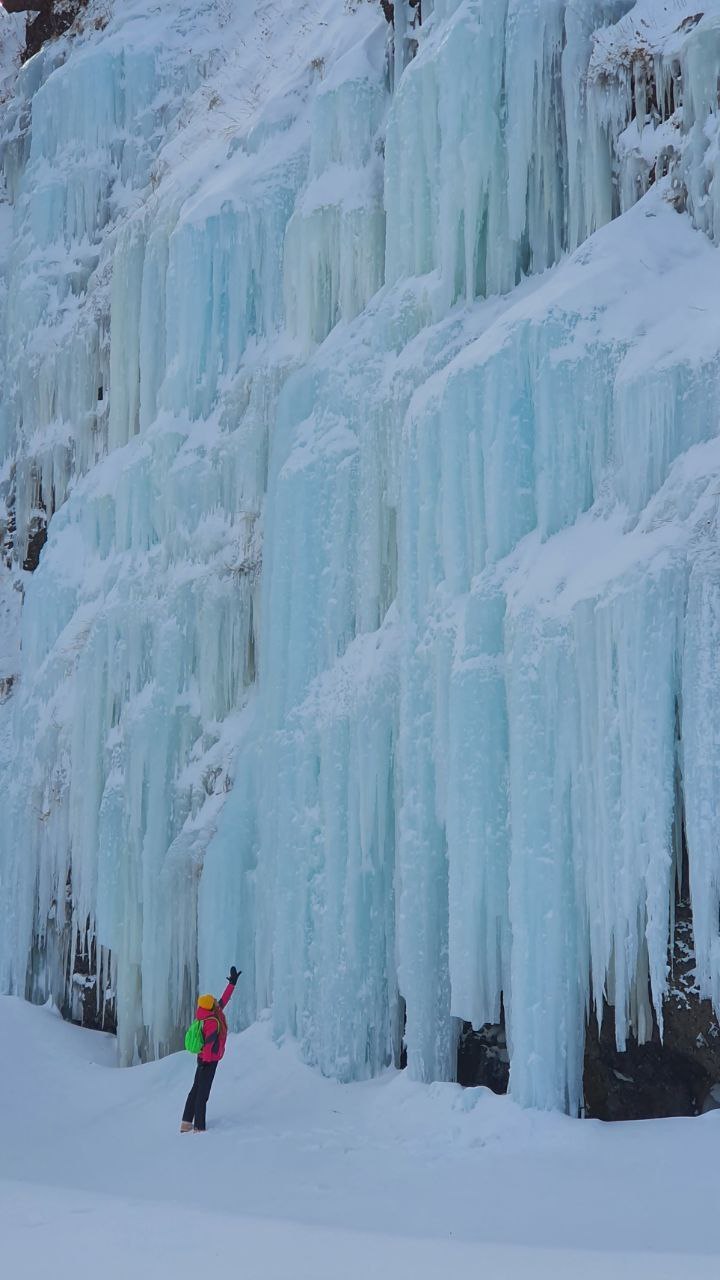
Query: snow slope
{"type": "Point", "coordinates": [300, 1178]}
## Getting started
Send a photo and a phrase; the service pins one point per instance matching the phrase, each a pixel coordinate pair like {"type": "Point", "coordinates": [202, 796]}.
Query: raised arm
{"type": "Point", "coordinates": [232, 979]}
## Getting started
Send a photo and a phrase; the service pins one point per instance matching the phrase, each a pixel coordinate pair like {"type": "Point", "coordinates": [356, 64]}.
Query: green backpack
{"type": "Point", "coordinates": [194, 1037]}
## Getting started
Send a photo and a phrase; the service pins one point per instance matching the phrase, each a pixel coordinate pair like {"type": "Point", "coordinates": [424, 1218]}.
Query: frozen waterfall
{"type": "Point", "coordinates": [360, 579]}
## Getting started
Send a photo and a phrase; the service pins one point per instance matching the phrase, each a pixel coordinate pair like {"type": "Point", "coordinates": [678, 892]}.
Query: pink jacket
{"type": "Point", "coordinates": [214, 1029]}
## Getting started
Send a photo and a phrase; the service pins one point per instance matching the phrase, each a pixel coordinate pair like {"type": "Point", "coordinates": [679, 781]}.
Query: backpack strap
{"type": "Point", "coordinates": [214, 1037]}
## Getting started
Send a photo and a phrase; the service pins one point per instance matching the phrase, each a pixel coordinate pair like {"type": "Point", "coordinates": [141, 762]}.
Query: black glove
{"type": "Point", "coordinates": [234, 974]}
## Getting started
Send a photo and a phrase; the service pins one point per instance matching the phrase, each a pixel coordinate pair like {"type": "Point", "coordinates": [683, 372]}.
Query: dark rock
{"type": "Point", "coordinates": [27, 6]}
{"type": "Point", "coordinates": [52, 18]}
{"type": "Point", "coordinates": [645, 1082]}
{"type": "Point", "coordinates": [388, 9]}
{"type": "Point", "coordinates": [37, 537]}
{"type": "Point", "coordinates": [6, 684]}
{"type": "Point", "coordinates": [674, 1076]}
{"type": "Point", "coordinates": [90, 1001]}
{"type": "Point", "coordinates": [483, 1057]}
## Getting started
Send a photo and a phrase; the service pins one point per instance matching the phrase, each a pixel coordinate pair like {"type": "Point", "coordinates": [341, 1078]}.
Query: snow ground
{"type": "Point", "coordinates": [300, 1178]}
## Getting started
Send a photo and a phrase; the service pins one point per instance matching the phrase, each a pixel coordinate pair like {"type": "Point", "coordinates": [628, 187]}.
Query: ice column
{"type": "Point", "coordinates": [700, 756]}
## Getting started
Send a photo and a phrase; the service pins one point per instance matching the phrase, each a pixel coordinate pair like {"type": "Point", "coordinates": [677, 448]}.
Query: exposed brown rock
{"type": "Point", "coordinates": [52, 18]}
{"type": "Point", "coordinates": [669, 1077]}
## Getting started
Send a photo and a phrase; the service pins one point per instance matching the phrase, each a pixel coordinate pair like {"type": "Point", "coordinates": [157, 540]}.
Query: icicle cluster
{"type": "Point", "coordinates": [374, 425]}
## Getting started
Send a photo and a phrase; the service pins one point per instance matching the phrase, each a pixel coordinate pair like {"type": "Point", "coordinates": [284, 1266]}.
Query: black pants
{"type": "Point", "coordinates": [194, 1112]}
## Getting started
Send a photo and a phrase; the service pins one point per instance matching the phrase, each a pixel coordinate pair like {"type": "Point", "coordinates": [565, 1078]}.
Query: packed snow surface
{"type": "Point", "coordinates": [301, 1178]}
{"type": "Point", "coordinates": [370, 394]}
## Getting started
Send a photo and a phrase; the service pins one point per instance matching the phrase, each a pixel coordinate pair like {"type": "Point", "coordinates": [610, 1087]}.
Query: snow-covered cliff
{"type": "Point", "coordinates": [367, 395]}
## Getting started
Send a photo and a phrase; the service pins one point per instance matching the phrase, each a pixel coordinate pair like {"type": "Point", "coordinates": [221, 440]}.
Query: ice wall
{"type": "Point", "coordinates": [12, 38]}
{"type": "Point", "coordinates": [369, 399]}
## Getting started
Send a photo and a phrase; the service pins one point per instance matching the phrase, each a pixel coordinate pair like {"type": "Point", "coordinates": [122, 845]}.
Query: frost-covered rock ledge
{"type": "Point", "coordinates": [359, 466]}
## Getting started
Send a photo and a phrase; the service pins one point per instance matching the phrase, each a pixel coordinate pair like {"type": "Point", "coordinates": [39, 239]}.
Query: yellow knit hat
{"type": "Point", "coordinates": [206, 1002]}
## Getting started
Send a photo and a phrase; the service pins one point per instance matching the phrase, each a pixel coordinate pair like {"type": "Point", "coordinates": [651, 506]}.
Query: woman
{"type": "Point", "coordinates": [211, 1017]}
